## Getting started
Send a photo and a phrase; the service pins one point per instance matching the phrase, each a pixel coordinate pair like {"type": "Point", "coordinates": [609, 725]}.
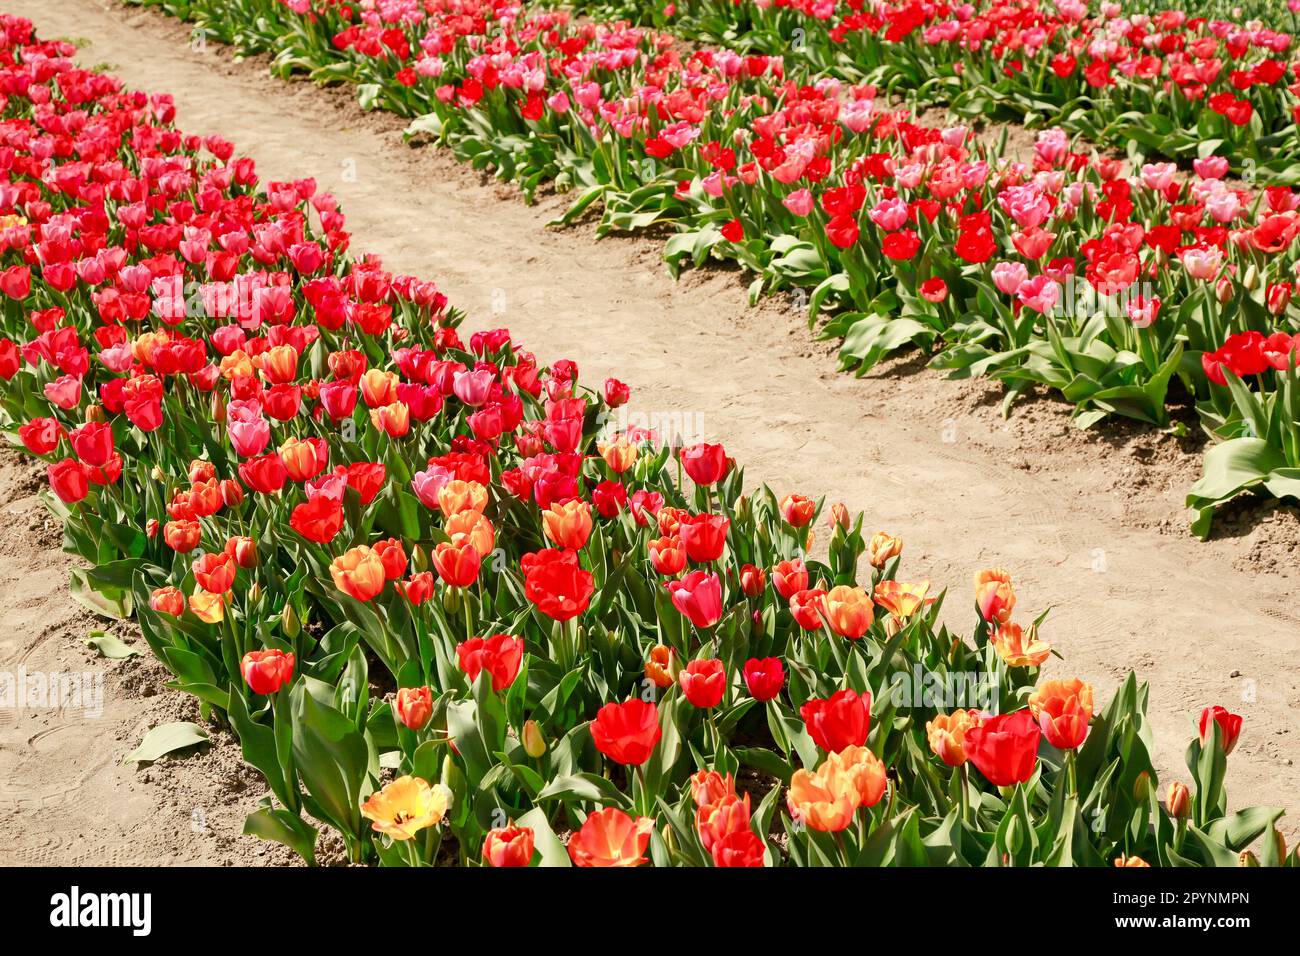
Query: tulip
{"type": "Point", "coordinates": [265, 672]}
{"type": "Point", "coordinates": [839, 721]}
{"type": "Point", "coordinates": [215, 572]}
{"type": "Point", "coordinates": [883, 548]}
{"type": "Point", "coordinates": [182, 536]}
{"type": "Point", "coordinates": [659, 668]}
{"type": "Point", "coordinates": [627, 733]}
{"type": "Point", "coordinates": [848, 611]}
{"type": "Point", "coordinates": [764, 677]}
{"type": "Point", "coordinates": [704, 536]}
{"type": "Point", "coordinates": [1020, 648]}
{"type": "Point", "coordinates": [457, 565]}
{"type": "Point", "coordinates": [568, 525]}
{"type": "Point", "coordinates": [994, 596]}
{"type": "Point", "coordinates": [666, 555]}
{"type": "Point", "coordinates": [167, 600]}
{"type": "Point", "coordinates": [797, 510]}
{"type": "Point", "coordinates": [709, 786]}
{"type": "Point", "coordinates": [1004, 748]}
{"type": "Point", "coordinates": [508, 846]}
{"type": "Point", "coordinates": [713, 821]}
{"type": "Point", "coordinates": [698, 596]}
{"type": "Point", "coordinates": [1229, 725]}
{"type": "Point", "coordinates": [1178, 801]}
{"type": "Point", "coordinates": [946, 734]}
{"type": "Point", "coordinates": [414, 706]}
{"type": "Point", "coordinates": [610, 837]}
{"type": "Point", "coordinates": [70, 480]}
{"type": "Point", "coordinates": [457, 496]}
{"type": "Point", "coordinates": [208, 608]}
{"type": "Point", "coordinates": [790, 577]}
{"type": "Point", "coordinates": [319, 519]}
{"type": "Point", "coordinates": [752, 581]}
{"type": "Point", "coordinates": [739, 848]}
{"type": "Point", "coordinates": [705, 464]}
{"type": "Point", "coordinates": [500, 655]}
{"type": "Point", "coordinates": [557, 584]}
{"type": "Point", "coordinates": [703, 683]}
{"type": "Point", "coordinates": [534, 742]}
{"type": "Point", "coordinates": [406, 806]}
{"type": "Point", "coordinates": [1063, 709]}
{"type": "Point", "coordinates": [358, 573]}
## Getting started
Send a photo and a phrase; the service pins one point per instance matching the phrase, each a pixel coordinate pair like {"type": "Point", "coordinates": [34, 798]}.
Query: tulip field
{"type": "Point", "coordinates": [455, 615]}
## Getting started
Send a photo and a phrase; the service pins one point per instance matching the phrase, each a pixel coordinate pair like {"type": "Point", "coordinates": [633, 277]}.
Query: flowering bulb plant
{"type": "Point", "coordinates": [1104, 282]}
{"type": "Point", "coordinates": [452, 612]}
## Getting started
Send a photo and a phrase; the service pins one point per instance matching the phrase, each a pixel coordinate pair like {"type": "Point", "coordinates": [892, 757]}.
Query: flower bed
{"type": "Point", "coordinates": [451, 612]}
{"type": "Point", "coordinates": [1182, 82]}
{"type": "Point", "coordinates": [1063, 270]}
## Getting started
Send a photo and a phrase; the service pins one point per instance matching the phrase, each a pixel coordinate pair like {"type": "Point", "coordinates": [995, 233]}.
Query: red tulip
{"type": "Point", "coordinates": [842, 720]}
{"type": "Point", "coordinates": [704, 463]}
{"type": "Point", "coordinates": [267, 671]}
{"type": "Point", "coordinates": [698, 596]}
{"type": "Point", "coordinates": [704, 536]}
{"type": "Point", "coordinates": [508, 846]}
{"type": "Point", "coordinates": [1004, 748]}
{"type": "Point", "coordinates": [319, 520]}
{"type": "Point", "coordinates": [764, 677]}
{"type": "Point", "coordinates": [627, 733]}
{"type": "Point", "coordinates": [500, 655]}
{"type": "Point", "coordinates": [1229, 727]}
{"type": "Point", "coordinates": [703, 683]}
{"type": "Point", "coordinates": [556, 583]}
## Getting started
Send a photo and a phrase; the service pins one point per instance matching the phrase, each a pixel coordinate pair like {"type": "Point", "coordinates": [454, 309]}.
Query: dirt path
{"type": "Point", "coordinates": [1091, 524]}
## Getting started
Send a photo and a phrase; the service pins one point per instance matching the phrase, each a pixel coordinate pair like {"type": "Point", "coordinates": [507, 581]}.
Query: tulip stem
{"type": "Point", "coordinates": [965, 794]}
{"type": "Point", "coordinates": [1071, 775]}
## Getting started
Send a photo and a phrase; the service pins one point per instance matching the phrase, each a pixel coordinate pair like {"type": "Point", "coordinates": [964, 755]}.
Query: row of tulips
{"type": "Point", "coordinates": [1063, 270]}
{"type": "Point", "coordinates": [452, 612]}
{"type": "Point", "coordinates": [1210, 78]}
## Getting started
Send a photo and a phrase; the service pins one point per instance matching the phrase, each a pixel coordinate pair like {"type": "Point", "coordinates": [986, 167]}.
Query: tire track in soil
{"type": "Point", "coordinates": [926, 458]}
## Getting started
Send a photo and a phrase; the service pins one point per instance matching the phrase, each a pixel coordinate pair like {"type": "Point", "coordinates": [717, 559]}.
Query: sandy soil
{"type": "Point", "coordinates": [1089, 523]}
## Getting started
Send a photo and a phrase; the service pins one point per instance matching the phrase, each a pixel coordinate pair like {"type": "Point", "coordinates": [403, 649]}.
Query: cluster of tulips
{"type": "Point", "coordinates": [1211, 77]}
{"type": "Point", "coordinates": [454, 613]}
{"type": "Point", "coordinates": [1104, 281]}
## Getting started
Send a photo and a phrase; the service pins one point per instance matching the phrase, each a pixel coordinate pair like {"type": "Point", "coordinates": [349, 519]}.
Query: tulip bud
{"type": "Point", "coordinates": [289, 622]}
{"type": "Point", "coordinates": [744, 509]}
{"type": "Point", "coordinates": [156, 474]}
{"type": "Point", "coordinates": [1281, 845]}
{"type": "Point", "coordinates": [95, 413]}
{"type": "Point", "coordinates": [1178, 801]}
{"type": "Point", "coordinates": [839, 516]}
{"type": "Point", "coordinates": [1248, 859]}
{"type": "Point", "coordinates": [255, 592]}
{"type": "Point", "coordinates": [1224, 290]}
{"type": "Point", "coordinates": [534, 742]}
{"type": "Point", "coordinates": [218, 407]}
{"type": "Point", "coordinates": [1142, 786]}
{"type": "Point", "coordinates": [419, 559]}
{"type": "Point", "coordinates": [1250, 277]}
{"type": "Point", "coordinates": [1014, 838]}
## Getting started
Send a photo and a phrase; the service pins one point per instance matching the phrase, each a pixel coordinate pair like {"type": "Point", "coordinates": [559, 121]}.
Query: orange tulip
{"type": "Point", "coordinates": [379, 388]}
{"type": "Point", "coordinates": [667, 555]}
{"type": "Point", "coordinates": [473, 529]}
{"type": "Point", "coordinates": [457, 496]}
{"type": "Point", "coordinates": [947, 735]}
{"type": "Point", "coordinates": [414, 706]}
{"type": "Point", "coordinates": [209, 608]}
{"type": "Point", "coordinates": [619, 455]}
{"type": "Point", "coordinates": [1130, 862]}
{"type": "Point", "coordinates": [610, 837]}
{"type": "Point", "coordinates": [394, 420]}
{"type": "Point", "coordinates": [709, 786]}
{"type": "Point", "coordinates": [848, 611]}
{"type": "Point", "coordinates": [994, 595]}
{"type": "Point", "coordinates": [358, 573]}
{"type": "Point", "coordinates": [901, 599]}
{"type": "Point", "coordinates": [280, 364]}
{"type": "Point", "coordinates": [457, 564]}
{"type": "Point", "coordinates": [1020, 648]}
{"type": "Point", "coordinates": [883, 548]}
{"type": "Point", "coordinates": [814, 801]}
{"type": "Point", "coordinates": [858, 768]}
{"type": "Point", "coordinates": [1063, 709]}
{"type": "Point", "coordinates": [568, 524]}
{"type": "Point", "coordinates": [660, 668]}
{"type": "Point", "coordinates": [713, 821]}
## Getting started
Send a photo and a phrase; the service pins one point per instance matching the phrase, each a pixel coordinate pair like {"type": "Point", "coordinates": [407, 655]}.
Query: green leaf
{"type": "Point", "coordinates": [165, 739]}
{"type": "Point", "coordinates": [110, 646]}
